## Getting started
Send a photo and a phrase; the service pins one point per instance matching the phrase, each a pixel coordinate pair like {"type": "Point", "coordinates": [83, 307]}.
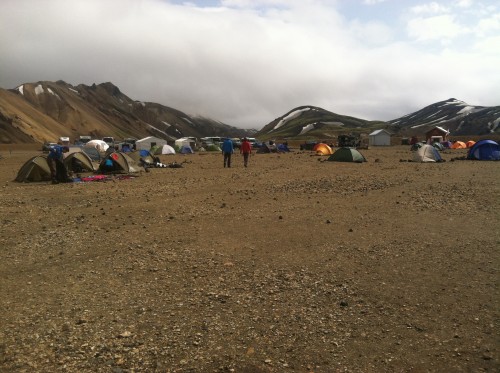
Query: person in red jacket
{"type": "Point", "coordinates": [246, 150]}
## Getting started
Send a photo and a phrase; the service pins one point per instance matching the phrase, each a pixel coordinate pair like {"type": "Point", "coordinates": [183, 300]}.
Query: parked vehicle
{"type": "Point", "coordinates": [109, 140]}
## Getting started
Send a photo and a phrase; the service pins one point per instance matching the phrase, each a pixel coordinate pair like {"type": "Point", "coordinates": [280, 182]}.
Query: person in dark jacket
{"type": "Point", "coordinates": [227, 151]}
{"type": "Point", "coordinates": [246, 150]}
{"type": "Point", "coordinates": [55, 157]}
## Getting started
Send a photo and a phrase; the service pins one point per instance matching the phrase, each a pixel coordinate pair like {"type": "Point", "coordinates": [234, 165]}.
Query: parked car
{"type": "Point", "coordinates": [47, 145]}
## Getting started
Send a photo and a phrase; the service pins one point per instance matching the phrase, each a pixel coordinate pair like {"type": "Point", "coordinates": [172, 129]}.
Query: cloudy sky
{"type": "Point", "coordinates": [247, 62]}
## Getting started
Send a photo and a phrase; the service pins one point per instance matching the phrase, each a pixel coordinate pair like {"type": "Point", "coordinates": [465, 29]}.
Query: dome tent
{"type": "Point", "coordinates": [427, 153]}
{"type": "Point", "coordinates": [119, 163]}
{"type": "Point", "coordinates": [347, 155]}
{"type": "Point", "coordinates": [322, 149]}
{"type": "Point", "coordinates": [485, 150]}
{"type": "Point", "coordinates": [35, 169]}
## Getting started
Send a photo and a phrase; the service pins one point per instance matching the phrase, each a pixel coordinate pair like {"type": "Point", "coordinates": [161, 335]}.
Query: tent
{"type": "Point", "coordinates": [148, 142]}
{"type": "Point", "coordinates": [470, 143]}
{"type": "Point", "coordinates": [485, 150]}
{"type": "Point", "coordinates": [186, 149]}
{"type": "Point", "coordinates": [189, 141]}
{"type": "Point", "coordinates": [427, 153]}
{"type": "Point", "coordinates": [263, 149]}
{"type": "Point", "coordinates": [417, 145]}
{"type": "Point", "coordinates": [79, 162]}
{"type": "Point", "coordinates": [167, 149]}
{"type": "Point", "coordinates": [142, 156]}
{"type": "Point", "coordinates": [446, 144]}
{"type": "Point", "coordinates": [380, 138]}
{"type": "Point", "coordinates": [213, 148]}
{"type": "Point", "coordinates": [283, 148]}
{"type": "Point", "coordinates": [322, 149]}
{"type": "Point", "coordinates": [458, 145]}
{"type": "Point", "coordinates": [100, 145]}
{"type": "Point", "coordinates": [347, 155]}
{"type": "Point", "coordinates": [162, 149]}
{"type": "Point", "coordinates": [438, 145]}
{"type": "Point", "coordinates": [35, 169]}
{"type": "Point", "coordinates": [118, 162]}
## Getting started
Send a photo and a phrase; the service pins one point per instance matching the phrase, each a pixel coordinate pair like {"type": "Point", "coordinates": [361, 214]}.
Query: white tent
{"type": "Point", "coordinates": [100, 145]}
{"type": "Point", "coordinates": [186, 141]}
{"type": "Point", "coordinates": [427, 153]}
{"type": "Point", "coordinates": [148, 142]}
{"type": "Point", "coordinates": [379, 138]}
{"type": "Point", "coordinates": [167, 149]}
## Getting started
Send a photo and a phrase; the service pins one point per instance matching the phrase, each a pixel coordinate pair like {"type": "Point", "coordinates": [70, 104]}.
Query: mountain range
{"type": "Point", "coordinates": [44, 111]}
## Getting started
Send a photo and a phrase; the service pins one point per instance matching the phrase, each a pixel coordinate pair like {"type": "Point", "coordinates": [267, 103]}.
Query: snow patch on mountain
{"type": "Point", "coordinates": [466, 109]}
{"type": "Point", "coordinates": [39, 89]}
{"type": "Point", "coordinates": [21, 89]}
{"type": "Point", "coordinates": [53, 93]}
{"type": "Point", "coordinates": [292, 115]}
{"type": "Point", "coordinates": [306, 128]}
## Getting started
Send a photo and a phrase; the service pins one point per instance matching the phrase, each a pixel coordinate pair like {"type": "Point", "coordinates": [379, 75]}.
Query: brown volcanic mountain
{"type": "Point", "coordinates": [45, 111]}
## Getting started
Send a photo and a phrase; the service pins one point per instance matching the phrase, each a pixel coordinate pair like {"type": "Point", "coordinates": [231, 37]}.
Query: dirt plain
{"type": "Point", "coordinates": [294, 264]}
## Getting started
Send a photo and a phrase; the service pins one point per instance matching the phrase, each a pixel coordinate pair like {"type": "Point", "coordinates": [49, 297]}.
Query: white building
{"type": "Point", "coordinates": [147, 142]}
{"type": "Point", "coordinates": [379, 138]}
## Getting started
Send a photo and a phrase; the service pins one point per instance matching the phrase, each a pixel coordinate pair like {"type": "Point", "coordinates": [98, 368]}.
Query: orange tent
{"type": "Point", "coordinates": [322, 149]}
{"type": "Point", "coordinates": [458, 145]}
{"type": "Point", "coordinates": [470, 143]}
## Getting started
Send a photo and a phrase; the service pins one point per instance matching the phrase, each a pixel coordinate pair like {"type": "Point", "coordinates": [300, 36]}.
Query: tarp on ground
{"type": "Point", "coordinates": [34, 169]}
{"type": "Point", "coordinates": [119, 163]}
{"type": "Point", "coordinates": [79, 162]}
{"type": "Point", "coordinates": [347, 155]}
{"type": "Point", "coordinates": [485, 150]}
{"type": "Point", "coordinates": [458, 145]}
{"type": "Point", "coordinates": [427, 153]}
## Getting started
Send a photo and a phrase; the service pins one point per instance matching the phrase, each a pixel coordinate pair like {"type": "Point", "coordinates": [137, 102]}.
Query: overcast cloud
{"type": "Point", "coordinates": [246, 62]}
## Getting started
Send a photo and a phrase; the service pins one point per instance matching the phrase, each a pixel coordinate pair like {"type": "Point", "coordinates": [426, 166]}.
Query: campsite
{"type": "Point", "coordinates": [294, 264]}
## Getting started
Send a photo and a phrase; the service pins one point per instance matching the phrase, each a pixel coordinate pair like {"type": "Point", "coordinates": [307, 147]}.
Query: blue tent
{"type": "Point", "coordinates": [485, 150]}
{"type": "Point", "coordinates": [186, 149]}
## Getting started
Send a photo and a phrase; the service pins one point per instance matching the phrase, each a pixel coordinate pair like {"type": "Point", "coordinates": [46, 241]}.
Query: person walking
{"type": "Point", "coordinates": [227, 151]}
{"type": "Point", "coordinates": [246, 150]}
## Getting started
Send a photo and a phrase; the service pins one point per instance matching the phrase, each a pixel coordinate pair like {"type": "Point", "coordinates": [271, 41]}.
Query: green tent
{"type": "Point", "coordinates": [119, 163]}
{"type": "Point", "coordinates": [35, 169]}
{"type": "Point", "coordinates": [79, 162]}
{"type": "Point", "coordinates": [347, 155]}
{"type": "Point", "coordinates": [213, 148]}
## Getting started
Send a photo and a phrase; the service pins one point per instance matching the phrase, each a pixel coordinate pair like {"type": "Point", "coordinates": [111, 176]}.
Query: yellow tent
{"type": "Point", "coordinates": [322, 149]}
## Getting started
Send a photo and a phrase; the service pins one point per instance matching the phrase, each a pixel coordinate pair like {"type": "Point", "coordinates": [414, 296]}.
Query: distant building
{"type": "Point", "coordinates": [379, 138]}
{"type": "Point", "coordinates": [148, 142]}
{"type": "Point", "coordinates": [437, 134]}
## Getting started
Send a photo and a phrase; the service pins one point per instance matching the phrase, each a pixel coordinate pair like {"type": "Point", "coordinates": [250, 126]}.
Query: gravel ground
{"type": "Point", "coordinates": [291, 265]}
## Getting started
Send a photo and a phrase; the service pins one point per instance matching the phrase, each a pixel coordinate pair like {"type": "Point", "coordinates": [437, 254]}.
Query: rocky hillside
{"type": "Point", "coordinates": [460, 118]}
{"type": "Point", "coordinates": [314, 122]}
{"type": "Point", "coordinates": [45, 111]}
